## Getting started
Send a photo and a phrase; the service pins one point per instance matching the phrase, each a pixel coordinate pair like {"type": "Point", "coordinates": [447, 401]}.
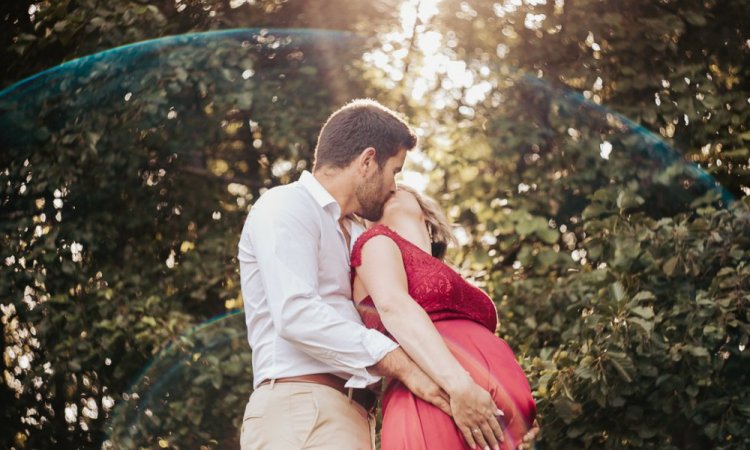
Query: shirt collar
{"type": "Point", "coordinates": [320, 194]}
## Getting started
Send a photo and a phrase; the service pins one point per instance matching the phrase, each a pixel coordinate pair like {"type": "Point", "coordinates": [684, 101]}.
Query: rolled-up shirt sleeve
{"type": "Point", "coordinates": [286, 246]}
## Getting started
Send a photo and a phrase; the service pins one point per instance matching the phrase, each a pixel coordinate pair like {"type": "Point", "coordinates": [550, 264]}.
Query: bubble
{"type": "Point", "coordinates": [196, 387]}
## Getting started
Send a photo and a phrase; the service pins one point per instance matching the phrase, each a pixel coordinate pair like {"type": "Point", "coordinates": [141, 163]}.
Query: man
{"type": "Point", "coordinates": [312, 356]}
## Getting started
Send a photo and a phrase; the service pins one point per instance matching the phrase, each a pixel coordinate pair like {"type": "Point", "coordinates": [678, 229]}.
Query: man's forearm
{"type": "Point", "coordinates": [395, 364]}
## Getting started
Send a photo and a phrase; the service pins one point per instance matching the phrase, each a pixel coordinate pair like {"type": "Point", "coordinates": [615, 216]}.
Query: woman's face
{"type": "Point", "coordinates": [402, 202]}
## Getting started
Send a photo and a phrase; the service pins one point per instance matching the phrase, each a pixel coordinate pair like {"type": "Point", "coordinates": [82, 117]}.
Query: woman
{"type": "Point", "coordinates": [445, 324]}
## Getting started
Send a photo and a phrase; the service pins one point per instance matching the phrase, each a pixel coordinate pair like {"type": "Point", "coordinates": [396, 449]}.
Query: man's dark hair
{"type": "Point", "coordinates": [360, 124]}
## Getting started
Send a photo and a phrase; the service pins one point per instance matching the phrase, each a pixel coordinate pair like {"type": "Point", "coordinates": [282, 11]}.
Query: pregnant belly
{"type": "Point", "coordinates": [492, 364]}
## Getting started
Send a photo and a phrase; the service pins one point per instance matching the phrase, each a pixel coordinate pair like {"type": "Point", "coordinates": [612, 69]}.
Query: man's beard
{"type": "Point", "coordinates": [369, 197]}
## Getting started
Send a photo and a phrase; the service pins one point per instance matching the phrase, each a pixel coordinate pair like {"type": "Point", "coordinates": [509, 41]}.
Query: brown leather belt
{"type": "Point", "coordinates": [365, 397]}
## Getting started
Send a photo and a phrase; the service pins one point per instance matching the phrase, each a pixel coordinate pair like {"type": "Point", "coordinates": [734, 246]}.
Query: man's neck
{"type": "Point", "coordinates": [339, 184]}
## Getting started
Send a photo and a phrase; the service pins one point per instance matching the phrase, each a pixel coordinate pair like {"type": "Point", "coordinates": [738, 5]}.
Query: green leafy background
{"type": "Point", "coordinates": [581, 181]}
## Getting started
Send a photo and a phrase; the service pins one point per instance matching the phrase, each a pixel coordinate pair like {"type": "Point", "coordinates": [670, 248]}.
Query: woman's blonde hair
{"type": "Point", "coordinates": [441, 233]}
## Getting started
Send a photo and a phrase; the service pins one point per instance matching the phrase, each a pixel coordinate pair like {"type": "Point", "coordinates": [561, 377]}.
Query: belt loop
{"type": "Point", "coordinates": [350, 393]}
{"type": "Point", "coordinates": [273, 381]}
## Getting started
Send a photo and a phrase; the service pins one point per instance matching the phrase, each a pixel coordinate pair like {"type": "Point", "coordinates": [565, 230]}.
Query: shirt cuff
{"type": "Point", "coordinates": [377, 346]}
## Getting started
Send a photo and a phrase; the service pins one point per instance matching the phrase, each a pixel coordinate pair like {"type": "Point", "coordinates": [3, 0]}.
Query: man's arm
{"type": "Point", "coordinates": [397, 364]}
{"type": "Point", "coordinates": [530, 437]}
{"type": "Point", "coordinates": [285, 243]}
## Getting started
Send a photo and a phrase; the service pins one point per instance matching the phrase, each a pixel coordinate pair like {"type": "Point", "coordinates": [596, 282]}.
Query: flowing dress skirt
{"type": "Point", "coordinates": [412, 424]}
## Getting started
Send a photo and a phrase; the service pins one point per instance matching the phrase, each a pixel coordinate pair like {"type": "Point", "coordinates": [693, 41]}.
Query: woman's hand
{"type": "Point", "coordinates": [476, 415]}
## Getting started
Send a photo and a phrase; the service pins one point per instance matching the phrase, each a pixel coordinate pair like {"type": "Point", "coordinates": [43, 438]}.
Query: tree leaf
{"type": "Point", "coordinates": [647, 312]}
{"type": "Point", "coordinates": [644, 296]}
{"type": "Point", "coordinates": [670, 265]}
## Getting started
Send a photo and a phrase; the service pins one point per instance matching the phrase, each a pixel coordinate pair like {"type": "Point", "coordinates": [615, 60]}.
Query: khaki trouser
{"type": "Point", "coordinates": [288, 416]}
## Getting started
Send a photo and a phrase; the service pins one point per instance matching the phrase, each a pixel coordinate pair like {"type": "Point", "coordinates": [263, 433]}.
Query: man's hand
{"type": "Point", "coordinates": [425, 388]}
{"type": "Point", "coordinates": [530, 437]}
{"type": "Point", "coordinates": [398, 365]}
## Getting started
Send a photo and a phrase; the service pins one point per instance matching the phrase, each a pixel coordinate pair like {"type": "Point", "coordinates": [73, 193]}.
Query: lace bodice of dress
{"type": "Point", "coordinates": [439, 289]}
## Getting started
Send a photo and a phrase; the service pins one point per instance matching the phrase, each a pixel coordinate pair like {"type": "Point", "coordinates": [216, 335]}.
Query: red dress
{"type": "Point", "coordinates": [466, 318]}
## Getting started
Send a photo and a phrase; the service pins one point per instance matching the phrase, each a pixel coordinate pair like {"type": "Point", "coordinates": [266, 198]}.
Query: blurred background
{"type": "Point", "coordinates": [593, 154]}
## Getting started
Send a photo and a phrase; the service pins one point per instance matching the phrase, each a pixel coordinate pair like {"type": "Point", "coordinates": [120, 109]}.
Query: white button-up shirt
{"type": "Point", "coordinates": [296, 288]}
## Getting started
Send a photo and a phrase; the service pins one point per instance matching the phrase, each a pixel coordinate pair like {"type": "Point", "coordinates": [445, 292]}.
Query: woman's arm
{"type": "Point", "coordinates": [383, 275]}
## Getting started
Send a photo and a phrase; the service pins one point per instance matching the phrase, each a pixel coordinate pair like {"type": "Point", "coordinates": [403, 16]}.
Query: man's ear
{"type": "Point", "coordinates": [367, 161]}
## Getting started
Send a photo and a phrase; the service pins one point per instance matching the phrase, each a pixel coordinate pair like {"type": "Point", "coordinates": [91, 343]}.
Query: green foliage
{"type": "Point", "coordinates": [37, 35]}
{"type": "Point", "coordinates": [124, 189]}
{"type": "Point", "coordinates": [644, 347]}
{"type": "Point", "coordinates": [675, 67]}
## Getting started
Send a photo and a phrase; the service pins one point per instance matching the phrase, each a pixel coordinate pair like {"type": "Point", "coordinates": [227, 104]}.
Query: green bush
{"type": "Point", "coordinates": [645, 347]}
